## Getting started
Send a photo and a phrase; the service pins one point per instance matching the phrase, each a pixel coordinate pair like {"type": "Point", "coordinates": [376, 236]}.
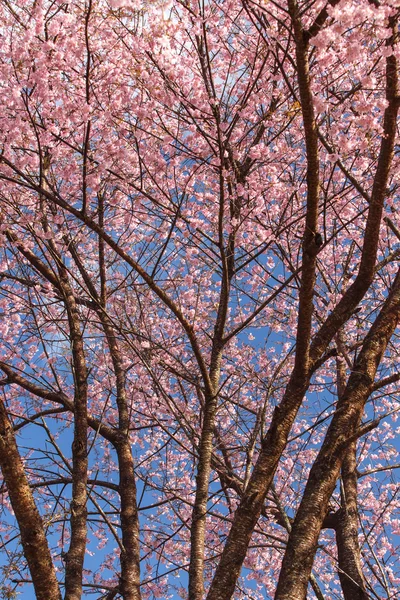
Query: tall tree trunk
{"type": "Point", "coordinates": [346, 530]}
{"type": "Point", "coordinates": [130, 556]}
{"type": "Point", "coordinates": [303, 540]}
{"type": "Point", "coordinates": [349, 555]}
{"type": "Point", "coordinates": [198, 528]}
{"type": "Point", "coordinates": [129, 586]}
{"type": "Point", "coordinates": [274, 443]}
{"type": "Point", "coordinates": [76, 553]}
{"type": "Point", "coordinates": [249, 510]}
{"type": "Point", "coordinates": [34, 542]}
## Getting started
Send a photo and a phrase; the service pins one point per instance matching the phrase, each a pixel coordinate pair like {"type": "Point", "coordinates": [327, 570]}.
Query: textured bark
{"type": "Point", "coordinates": [176, 311]}
{"type": "Point", "coordinates": [349, 556]}
{"type": "Point", "coordinates": [303, 540]}
{"type": "Point", "coordinates": [130, 555]}
{"type": "Point", "coordinates": [310, 245]}
{"type": "Point", "coordinates": [275, 441]}
{"type": "Point", "coordinates": [78, 507]}
{"type": "Point", "coordinates": [346, 526]}
{"type": "Point", "coordinates": [211, 382]}
{"type": "Point", "coordinates": [249, 510]}
{"type": "Point", "coordinates": [30, 524]}
{"type": "Point", "coordinates": [198, 527]}
{"type": "Point", "coordinates": [76, 553]}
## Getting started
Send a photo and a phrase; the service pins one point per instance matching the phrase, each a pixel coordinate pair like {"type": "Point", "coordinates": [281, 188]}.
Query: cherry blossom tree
{"type": "Point", "coordinates": [200, 295]}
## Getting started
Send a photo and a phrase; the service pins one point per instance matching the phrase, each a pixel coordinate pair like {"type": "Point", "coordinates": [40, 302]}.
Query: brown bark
{"type": "Point", "coordinates": [303, 540]}
{"type": "Point", "coordinates": [30, 524]}
{"type": "Point", "coordinates": [249, 510]}
{"type": "Point", "coordinates": [198, 528]}
{"type": "Point", "coordinates": [322, 16]}
{"type": "Point", "coordinates": [78, 507]}
{"type": "Point", "coordinates": [130, 555]}
{"type": "Point", "coordinates": [76, 553]}
{"type": "Point", "coordinates": [286, 522]}
{"type": "Point", "coordinates": [189, 330]}
{"type": "Point", "coordinates": [349, 555]}
{"type": "Point", "coordinates": [130, 559]}
{"type": "Point", "coordinates": [211, 381]}
{"type": "Point", "coordinates": [346, 525]}
{"type": "Point", "coordinates": [283, 417]}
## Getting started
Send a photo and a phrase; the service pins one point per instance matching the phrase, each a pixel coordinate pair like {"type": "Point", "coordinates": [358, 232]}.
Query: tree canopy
{"type": "Point", "coordinates": [199, 299]}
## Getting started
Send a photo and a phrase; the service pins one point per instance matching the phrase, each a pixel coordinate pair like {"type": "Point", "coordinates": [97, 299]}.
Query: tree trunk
{"type": "Point", "coordinates": [303, 540]}
{"type": "Point", "coordinates": [34, 542]}
{"type": "Point", "coordinates": [350, 572]}
{"type": "Point", "coordinates": [346, 529]}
